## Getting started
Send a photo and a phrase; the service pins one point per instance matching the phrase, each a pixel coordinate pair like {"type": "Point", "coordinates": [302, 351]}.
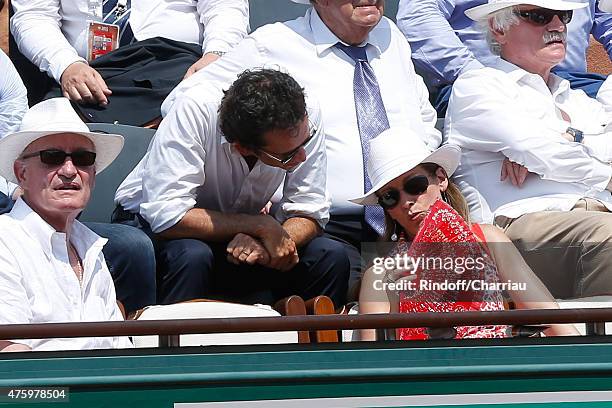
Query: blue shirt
{"type": "Point", "coordinates": [445, 42]}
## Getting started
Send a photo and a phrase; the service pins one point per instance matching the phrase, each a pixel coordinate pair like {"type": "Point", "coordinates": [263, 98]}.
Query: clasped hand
{"type": "Point", "coordinates": [271, 247]}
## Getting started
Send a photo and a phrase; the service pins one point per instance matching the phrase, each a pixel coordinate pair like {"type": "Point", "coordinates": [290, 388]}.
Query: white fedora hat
{"type": "Point", "coordinates": [50, 117]}
{"type": "Point", "coordinates": [605, 6]}
{"type": "Point", "coordinates": [481, 12]}
{"type": "Point", "coordinates": [398, 150]}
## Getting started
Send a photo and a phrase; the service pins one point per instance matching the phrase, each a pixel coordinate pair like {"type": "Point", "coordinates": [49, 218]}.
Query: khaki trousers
{"type": "Point", "coordinates": [570, 251]}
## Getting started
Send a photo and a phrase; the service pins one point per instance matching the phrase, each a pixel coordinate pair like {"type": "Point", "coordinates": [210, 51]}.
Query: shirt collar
{"type": "Point", "coordinates": [556, 84]}
{"type": "Point", "coordinates": [38, 229]}
{"type": "Point", "coordinates": [515, 72]}
{"type": "Point", "coordinates": [324, 38]}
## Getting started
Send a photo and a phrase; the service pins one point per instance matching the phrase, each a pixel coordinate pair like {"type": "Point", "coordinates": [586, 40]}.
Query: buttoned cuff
{"type": "Point", "coordinates": [216, 45]}
{"type": "Point", "coordinates": [166, 214]}
{"type": "Point", "coordinates": [62, 60]}
{"type": "Point", "coordinates": [318, 214]}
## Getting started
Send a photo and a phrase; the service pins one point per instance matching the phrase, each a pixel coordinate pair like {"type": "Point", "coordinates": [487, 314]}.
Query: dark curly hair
{"type": "Point", "coordinates": [259, 101]}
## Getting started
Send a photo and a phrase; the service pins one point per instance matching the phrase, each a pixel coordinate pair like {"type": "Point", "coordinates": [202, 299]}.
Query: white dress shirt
{"type": "Point", "coordinates": [38, 285]}
{"type": "Point", "coordinates": [190, 165]}
{"type": "Point", "coordinates": [504, 111]}
{"type": "Point", "coordinates": [13, 97]}
{"type": "Point", "coordinates": [304, 47]}
{"type": "Point", "coordinates": [13, 105]}
{"type": "Point", "coordinates": [604, 95]}
{"type": "Point", "coordinates": [53, 33]}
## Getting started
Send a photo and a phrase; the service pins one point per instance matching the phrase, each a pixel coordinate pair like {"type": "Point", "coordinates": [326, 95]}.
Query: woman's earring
{"type": "Point", "coordinates": [394, 234]}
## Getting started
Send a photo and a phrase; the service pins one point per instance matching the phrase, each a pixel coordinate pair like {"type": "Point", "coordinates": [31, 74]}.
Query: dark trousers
{"type": "Point", "coordinates": [359, 241]}
{"type": "Point", "coordinates": [130, 258]}
{"type": "Point", "coordinates": [586, 81]}
{"type": "Point", "coordinates": [190, 269]}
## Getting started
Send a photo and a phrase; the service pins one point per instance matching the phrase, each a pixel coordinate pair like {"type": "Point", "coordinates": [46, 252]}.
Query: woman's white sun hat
{"type": "Point", "coordinates": [50, 117]}
{"type": "Point", "coordinates": [481, 12]}
{"type": "Point", "coordinates": [398, 150]}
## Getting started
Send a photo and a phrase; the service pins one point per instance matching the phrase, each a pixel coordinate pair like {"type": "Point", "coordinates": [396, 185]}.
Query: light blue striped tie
{"type": "Point", "coordinates": [371, 120]}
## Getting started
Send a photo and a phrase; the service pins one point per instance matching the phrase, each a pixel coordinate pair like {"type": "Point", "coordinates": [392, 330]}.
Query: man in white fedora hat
{"type": "Point", "coordinates": [356, 62]}
{"type": "Point", "coordinates": [446, 42]}
{"type": "Point", "coordinates": [558, 207]}
{"type": "Point", "coordinates": [51, 266]}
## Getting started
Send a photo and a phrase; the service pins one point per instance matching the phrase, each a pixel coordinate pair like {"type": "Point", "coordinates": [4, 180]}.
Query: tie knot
{"type": "Point", "coordinates": [356, 53]}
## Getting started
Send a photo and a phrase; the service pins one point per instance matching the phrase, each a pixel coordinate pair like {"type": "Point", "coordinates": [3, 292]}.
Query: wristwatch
{"type": "Point", "coordinates": [578, 135]}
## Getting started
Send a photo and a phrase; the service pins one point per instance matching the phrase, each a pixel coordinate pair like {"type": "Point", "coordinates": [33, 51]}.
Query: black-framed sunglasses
{"type": "Point", "coordinates": [542, 16]}
{"type": "Point", "coordinates": [55, 157]}
{"type": "Point", "coordinates": [290, 155]}
{"type": "Point", "coordinates": [414, 186]}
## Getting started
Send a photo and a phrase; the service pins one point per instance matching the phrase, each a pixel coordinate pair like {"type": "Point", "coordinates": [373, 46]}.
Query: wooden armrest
{"type": "Point", "coordinates": [293, 306]}
{"type": "Point", "coordinates": [322, 305]}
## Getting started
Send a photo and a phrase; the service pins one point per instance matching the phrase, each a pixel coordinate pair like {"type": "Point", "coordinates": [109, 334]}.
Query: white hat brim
{"type": "Point", "coordinates": [107, 147]}
{"type": "Point", "coordinates": [481, 12]}
{"type": "Point", "coordinates": [605, 6]}
{"type": "Point", "coordinates": [301, 1]}
{"type": "Point", "coordinates": [446, 156]}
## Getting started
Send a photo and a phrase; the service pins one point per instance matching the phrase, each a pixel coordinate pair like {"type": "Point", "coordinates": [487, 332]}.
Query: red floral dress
{"type": "Point", "coordinates": [443, 244]}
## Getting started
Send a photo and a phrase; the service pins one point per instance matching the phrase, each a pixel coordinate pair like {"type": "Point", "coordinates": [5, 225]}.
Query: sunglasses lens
{"type": "Point", "coordinates": [566, 16]}
{"type": "Point", "coordinates": [52, 157]}
{"type": "Point", "coordinates": [80, 158]}
{"type": "Point", "coordinates": [416, 185]}
{"type": "Point", "coordinates": [83, 158]}
{"type": "Point", "coordinates": [389, 199]}
{"type": "Point", "coordinates": [544, 16]}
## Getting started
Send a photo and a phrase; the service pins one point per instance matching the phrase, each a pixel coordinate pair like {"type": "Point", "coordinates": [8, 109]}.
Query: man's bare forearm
{"type": "Point", "coordinates": [301, 230]}
{"type": "Point", "coordinates": [209, 225]}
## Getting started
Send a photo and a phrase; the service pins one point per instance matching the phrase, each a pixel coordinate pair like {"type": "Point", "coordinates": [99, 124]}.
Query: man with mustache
{"type": "Point", "coordinates": [517, 109]}
{"type": "Point", "coordinates": [446, 43]}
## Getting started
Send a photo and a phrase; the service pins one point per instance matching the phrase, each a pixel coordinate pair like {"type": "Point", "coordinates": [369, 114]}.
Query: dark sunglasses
{"type": "Point", "coordinates": [542, 16]}
{"type": "Point", "coordinates": [414, 186]}
{"type": "Point", "coordinates": [54, 157]}
{"type": "Point", "coordinates": [290, 155]}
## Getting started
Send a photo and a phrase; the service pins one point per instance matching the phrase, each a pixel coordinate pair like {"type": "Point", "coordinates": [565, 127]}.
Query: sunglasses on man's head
{"type": "Point", "coordinates": [54, 157]}
{"type": "Point", "coordinates": [414, 186]}
{"type": "Point", "coordinates": [542, 16]}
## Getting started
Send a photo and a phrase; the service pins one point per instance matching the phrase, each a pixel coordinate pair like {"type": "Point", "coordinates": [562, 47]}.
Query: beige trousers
{"type": "Point", "coordinates": [570, 251]}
